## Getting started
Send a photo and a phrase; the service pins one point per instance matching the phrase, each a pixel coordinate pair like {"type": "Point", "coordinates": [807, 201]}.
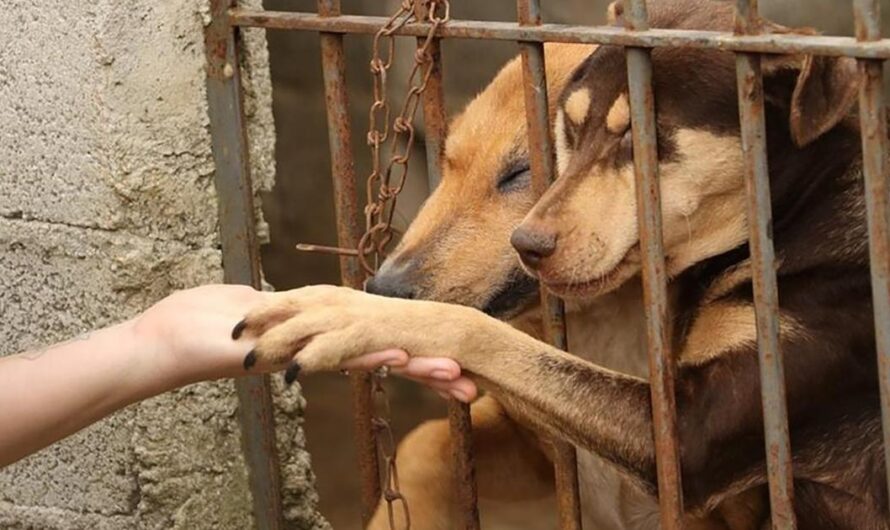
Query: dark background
{"type": "Point", "coordinates": [299, 209]}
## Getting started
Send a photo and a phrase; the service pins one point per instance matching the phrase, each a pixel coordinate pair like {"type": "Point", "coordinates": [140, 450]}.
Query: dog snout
{"type": "Point", "coordinates": [391, 283]}
{"type": "Point", "coordinates": [533, 244]}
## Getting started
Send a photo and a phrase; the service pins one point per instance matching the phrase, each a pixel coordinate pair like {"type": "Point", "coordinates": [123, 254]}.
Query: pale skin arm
{"type": "Point", "coordinates": [50, 393]}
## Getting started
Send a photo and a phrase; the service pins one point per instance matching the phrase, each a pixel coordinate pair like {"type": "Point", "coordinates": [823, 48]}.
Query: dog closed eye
{"type": "Point", "coordinates": [514, 179]}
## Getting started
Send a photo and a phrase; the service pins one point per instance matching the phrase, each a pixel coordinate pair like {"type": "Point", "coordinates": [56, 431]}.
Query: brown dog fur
{"type": "Point", "coordinates": [823, 277]}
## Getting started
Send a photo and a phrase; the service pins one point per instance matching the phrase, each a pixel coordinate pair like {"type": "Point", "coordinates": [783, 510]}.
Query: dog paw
{"type": "Point", "coordinates": [313, 328]}
{"type": "Point", "coordinates": [318, 328]}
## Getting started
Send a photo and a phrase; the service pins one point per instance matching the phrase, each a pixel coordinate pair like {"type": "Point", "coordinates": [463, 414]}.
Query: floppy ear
{"type": "Point", "coordinates": [824, 92]}
{"type": "Point", "coordinates": [615, 13]}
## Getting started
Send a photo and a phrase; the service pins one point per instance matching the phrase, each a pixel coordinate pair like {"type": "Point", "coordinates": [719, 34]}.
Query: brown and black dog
{"type": "Point", "coordinates": [581, 241]}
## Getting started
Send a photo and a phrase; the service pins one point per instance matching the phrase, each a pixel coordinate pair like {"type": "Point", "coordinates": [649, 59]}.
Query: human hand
{"type": "Point", "coordinates": [188, 333]}
{"type": "Point", "coordinates": [440, 374]}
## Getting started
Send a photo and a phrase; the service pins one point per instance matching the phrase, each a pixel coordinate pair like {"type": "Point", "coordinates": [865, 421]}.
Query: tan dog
{"type": "Point", "coordinates": [458, 250]}
{"type": "Point", "coordinates": [580, 240]}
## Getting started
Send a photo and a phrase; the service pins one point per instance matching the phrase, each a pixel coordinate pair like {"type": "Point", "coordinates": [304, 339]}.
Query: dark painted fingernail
{"type": "Point", "coordinates": [250, 360]}
{"type": "Point", "coordinates": [238, 329]}
{"type": "Point", "coordinates": [291, 374]}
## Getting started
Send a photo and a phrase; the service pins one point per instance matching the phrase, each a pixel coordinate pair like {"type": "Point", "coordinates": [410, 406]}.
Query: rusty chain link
{"type": "Point", "coordinates": [383, 186]}
{"type": "Point", "coordinates": [382, 190]}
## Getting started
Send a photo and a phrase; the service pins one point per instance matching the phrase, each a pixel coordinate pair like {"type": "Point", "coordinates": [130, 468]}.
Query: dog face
{"type": "Point", "coordinates": [581, 239]}
{"type": "Point", "coordinates": [458, 248]}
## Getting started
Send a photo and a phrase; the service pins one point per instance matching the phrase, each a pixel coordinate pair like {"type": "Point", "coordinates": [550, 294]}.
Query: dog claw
{"type": "Point", "coordinates": [290, 375]}
{"type": "Point", "coordinates": [250, 360]}
{"type": "Point", "coordinates": [238, 329]}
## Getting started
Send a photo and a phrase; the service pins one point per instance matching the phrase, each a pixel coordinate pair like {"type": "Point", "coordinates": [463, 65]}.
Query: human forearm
{"type": "Point", "coordinates": [51, 393]}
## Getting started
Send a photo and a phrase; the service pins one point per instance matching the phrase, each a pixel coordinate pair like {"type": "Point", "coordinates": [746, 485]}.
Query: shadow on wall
{"type": "Point", "coordinates": [299, 209]}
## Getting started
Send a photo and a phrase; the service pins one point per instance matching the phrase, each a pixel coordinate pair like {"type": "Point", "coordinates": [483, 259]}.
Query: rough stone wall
{"type": "Point", "coordinates": [107, 204]}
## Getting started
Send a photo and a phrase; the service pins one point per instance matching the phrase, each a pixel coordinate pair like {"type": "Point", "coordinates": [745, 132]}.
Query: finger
{"type": "Point", "coordinates": [462, 388]}
{"type": "Point", "coordinates": [396, 359]}
{"type": "Point", "coordinates": [429, 368]}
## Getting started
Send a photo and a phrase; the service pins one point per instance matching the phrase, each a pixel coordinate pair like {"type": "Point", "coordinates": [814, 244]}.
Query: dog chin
{"type": "Point", "coordinates": [595, 287]}
{"type": "Point", "coordinates": [514, 297]}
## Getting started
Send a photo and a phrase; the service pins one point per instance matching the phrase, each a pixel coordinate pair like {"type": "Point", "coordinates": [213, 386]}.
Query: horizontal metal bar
{"type": "Point", "coordinates": [511, 31]}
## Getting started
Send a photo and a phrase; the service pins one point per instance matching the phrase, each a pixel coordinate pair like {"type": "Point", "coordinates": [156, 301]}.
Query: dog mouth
{"type": "Point", "coordinates": [513, 297]}
{"type": "Point", "coordinates": [626, 268]}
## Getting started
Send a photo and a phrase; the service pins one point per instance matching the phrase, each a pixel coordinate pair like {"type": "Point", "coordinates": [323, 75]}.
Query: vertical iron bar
{"type": "Point", "coordinates": [349, 232]}
{"type": "Point", "coordinates": [434, 120]}
{"type": "Point", "coordinates": [877, 197]}
{"type": "Point", "coordinates": [542, 162]}
{"type": "Point", "coordinates": [661, 361]}
{"type": "Point", "coordinates": [766, 297]}
{"type": "Point", "coordinates": [240, 253]}
{"type": "Point", "coordinates": [459, 419]}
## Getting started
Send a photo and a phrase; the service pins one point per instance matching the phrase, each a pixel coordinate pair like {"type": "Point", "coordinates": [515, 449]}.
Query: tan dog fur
{"type": "Point", "coordinates": [469, 257]}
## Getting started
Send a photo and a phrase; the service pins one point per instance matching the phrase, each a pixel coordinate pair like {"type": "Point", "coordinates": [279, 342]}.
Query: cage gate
{"type": "Point", "coordinates": [240, 252]}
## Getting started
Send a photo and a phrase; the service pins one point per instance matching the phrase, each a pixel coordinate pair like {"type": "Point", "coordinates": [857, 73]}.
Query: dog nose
{"type": "Point", "coordinates": [391, 284]}
{"type": "Point", "coordinates": [533, 245]}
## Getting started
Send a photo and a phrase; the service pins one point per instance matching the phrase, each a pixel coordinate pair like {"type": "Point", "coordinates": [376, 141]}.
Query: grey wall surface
{"type": "Point", "coordinates": [107, 204]}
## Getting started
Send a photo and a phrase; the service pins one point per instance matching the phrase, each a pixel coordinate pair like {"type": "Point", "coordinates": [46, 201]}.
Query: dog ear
{"type": "Point", "coordinates": [823, 92]}
{"type": "Point", "coordinates": [615, 13]}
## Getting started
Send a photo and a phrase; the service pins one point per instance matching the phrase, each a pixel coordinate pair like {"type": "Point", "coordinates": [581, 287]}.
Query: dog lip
{"type": "Point", "coordinates": [513, 296]}
{"type": "Point", "coordinates": [593, 286]}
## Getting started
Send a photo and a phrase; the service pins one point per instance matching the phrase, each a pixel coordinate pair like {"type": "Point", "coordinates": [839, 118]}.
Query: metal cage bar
{"type": "Point", "coordinates": [661, 361]}
{"type": "Point", "coordinates": [459, 419]}
{"type": "Point", "coordinates": [766, 299]}
{"type": "Point", "coordinates": [651, 38]}
{"type": "Point", "coordinates": [239, 239]}
{"type": "Point", "coordinates": [240, 253]}
{"type": "Point", "coordinates": [542, 162]}
{"type": "Point", "coordinates": [348, 218]}
{"type": "Point", "coordinates": [877, 196]}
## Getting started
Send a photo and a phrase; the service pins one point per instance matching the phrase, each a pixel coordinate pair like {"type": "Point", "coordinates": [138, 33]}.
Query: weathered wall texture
{"type": "Point", "coordinates": [107, 204]}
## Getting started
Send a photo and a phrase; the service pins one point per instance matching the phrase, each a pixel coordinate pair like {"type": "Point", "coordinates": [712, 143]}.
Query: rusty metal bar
{"type": "Point", "coordinates": [240, 253]}
{"type": "Point", "coordinates": [661, 361]}
{"type": "Point", "coordinates": [333, 59]}
{"type": "Point", "coordinates": [877, 196]}
{"type": "Point", "coordinates": [459, 419]}
{"type": "Point", "coordinates": [766, 296]}
{"type": "Point", "coordinates": [434, 119]}
{"type": "Point", "coordinates": [542, 162]}
{"type": "Point", "coordinates": [651, 38]}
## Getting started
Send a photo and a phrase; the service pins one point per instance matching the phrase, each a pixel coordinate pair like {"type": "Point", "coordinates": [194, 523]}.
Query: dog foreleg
{"type": "Point", "coordinates": [509, 464]}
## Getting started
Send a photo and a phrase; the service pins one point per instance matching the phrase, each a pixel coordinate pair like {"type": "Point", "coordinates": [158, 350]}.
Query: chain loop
{"type": "Point", "coordinates": [382, 190]}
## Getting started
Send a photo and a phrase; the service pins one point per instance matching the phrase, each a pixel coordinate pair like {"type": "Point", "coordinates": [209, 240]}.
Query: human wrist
{"type": "Point", "coordinates": [155, 369]}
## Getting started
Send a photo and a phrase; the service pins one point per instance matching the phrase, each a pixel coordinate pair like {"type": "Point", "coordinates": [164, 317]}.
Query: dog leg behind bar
{"type": "Point", "coordinates": [510, 466]}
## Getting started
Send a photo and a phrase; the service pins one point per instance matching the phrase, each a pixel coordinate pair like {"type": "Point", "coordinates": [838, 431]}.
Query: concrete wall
{"type": "Point", "coordinates": [107, 204]}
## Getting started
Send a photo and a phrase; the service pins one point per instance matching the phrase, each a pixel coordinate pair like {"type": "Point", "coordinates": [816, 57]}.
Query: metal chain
{"type": "Point", "coordinates": [384, 185]}
{"type": "Point", "coordinates": [382, 190]}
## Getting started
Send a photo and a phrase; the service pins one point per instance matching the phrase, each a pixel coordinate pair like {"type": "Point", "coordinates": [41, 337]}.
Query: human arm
{"type": "Point", "coordinates": [50, 393]}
